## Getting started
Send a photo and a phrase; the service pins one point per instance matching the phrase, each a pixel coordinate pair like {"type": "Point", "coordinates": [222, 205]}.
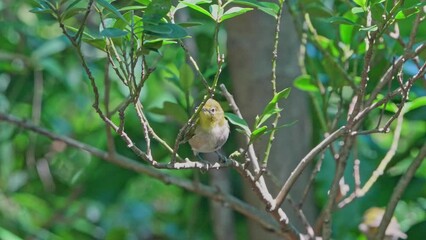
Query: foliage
{"type": "Point", "coordinates": [139, 76]}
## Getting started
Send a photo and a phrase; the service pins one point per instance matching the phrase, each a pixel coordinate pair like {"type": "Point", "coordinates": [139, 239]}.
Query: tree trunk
{"type": "Point", "coordinates": [250, 46]}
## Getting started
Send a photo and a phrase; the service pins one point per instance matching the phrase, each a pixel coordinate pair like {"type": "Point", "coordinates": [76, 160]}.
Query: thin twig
{"type": "Point", "coordinates": [194, 64]}
{"type": "Point", "coordinates": [145, 125]}
{"type": "Point", "coordinates": [382, 166]}
{"type": "Point", "coordinates": [409, 54]}
{"type": "Point", "coordinates": [274, 85]}
{"type": "Point", "coordinates": [79, 35]}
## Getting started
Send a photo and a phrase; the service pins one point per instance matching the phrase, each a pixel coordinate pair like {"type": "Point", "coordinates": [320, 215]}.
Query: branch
{"type": "Point", "coordinates": [303, 164]}
{"type": "Point", "coordinates": [382, 166]}
{"type": "Point", "coordinates": [389, 73]}
{"type": "Point", "coordinates": [399, 190]}
{"type": "Point", "coordinates": [249, 211]}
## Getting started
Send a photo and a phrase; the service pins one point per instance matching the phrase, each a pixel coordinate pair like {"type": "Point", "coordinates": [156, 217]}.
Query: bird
{"type": "Point", "coordinates": [210, 131]}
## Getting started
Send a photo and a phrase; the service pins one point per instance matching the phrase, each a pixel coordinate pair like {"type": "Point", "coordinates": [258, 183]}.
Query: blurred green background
{"type": "Point", "coordinates": [47, 192]}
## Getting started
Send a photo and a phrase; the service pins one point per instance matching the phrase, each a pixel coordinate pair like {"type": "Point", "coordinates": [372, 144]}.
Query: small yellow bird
{"type": "Point", "coordinates": [211, 130]}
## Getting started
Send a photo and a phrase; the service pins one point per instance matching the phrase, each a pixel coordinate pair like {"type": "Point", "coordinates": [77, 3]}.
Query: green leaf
{"type": "Point", "coordinates": [361, 3]}
{"type": "Point", "coordinates": [151, 46]}
{"type": "Point", "coordinates": [156, 10]}
{"type": "Point", "coordinates": [258, 132]}
{"type": "Point", "coordinates": [356, 10]}
{"type": "Point", "coordinates": [38, 206]}
{"type": "Point", "coordinates": [172, 110]}
{"type": "Point", "coordinates": [166, 30]}
{"type": "Point", "coordinates": [237, 121]}
{"type": "Point", "coordinates": [198, 9]}
{"type": "Point", "coordinates": [270, 108]}
{"type": "Point", "coordinates": [144, 2]}
{"type": "Point", "coordinates": [389, 106]}
{"type": "Point", "coordinates": [97, 43]}
{"type": "Point", "coordinates": [6, 234]}
{"type": "Point", "coordinates": [216, 12]}
{"type": "Point", "coordinates": [373, 2]}
{"type": "Point", "coordinates": [111, 8]}
{"type": "Point", "coordinates": [41, 10]}
{"type": "Point", "coordinates": [416, 103]}
{"type": "Point", "coordinates": [186, 77]}
{"type": "Point", "coordinates": [72, 12]}
{"type": "Point", "coordinates": [405, 13]}
{"type": "Point", "coordinates": [304, 83]}
{"type": "Point", "coordinates": [72, 5]}
{"type": "Point", "coordinates": [233, 12]}
{"type": "Point", "coordinates": [341, 20]}
{"type": "Point", "coordinates": [113, 33]}
{"type": "Point", "coordinates": [266, 7]}
{"type": "Point", "coordinates": [131, 8]}
{"type": "Point", "coordinates": [189, 24]}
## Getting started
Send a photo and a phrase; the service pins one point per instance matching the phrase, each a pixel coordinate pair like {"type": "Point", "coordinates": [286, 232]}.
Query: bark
{"type": "Point", "coordinates": [250, 46]}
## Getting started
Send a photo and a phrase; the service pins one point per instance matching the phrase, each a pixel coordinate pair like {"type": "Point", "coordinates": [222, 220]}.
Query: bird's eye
{"type": "Point", "coordinates": [212, 110]}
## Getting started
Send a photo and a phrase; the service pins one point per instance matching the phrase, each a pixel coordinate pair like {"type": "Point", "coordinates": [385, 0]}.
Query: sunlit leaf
{"type": "Point", "coordinates": [405, 13]}
{"type": "Point", "coordinates": [270, 108]}
{"type": "Point", "coordinates": [6, 234]}
{"type": "Point", "coordinates": [198, 9]}
{"type": "Point", "coordinates": [266, 7]}
{"type": "Point", "coordinates": [416, 103]}
{"type": "Point", "coordinates": [388, 106]}
{"type": "Point", "coordinates": [144, 2]}
{"type": "Point", "coordinates": [361, 3]}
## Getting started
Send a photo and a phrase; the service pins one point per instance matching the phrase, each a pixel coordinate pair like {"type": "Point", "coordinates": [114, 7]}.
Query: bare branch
{"type": "Point", "coordinates": [295, 174]}
{"type": "Point", "coordinates": [399, 190]}
{"type": "Point", "coordinates": [259, 216]}
{"type": "Point", "coordinates": [380, 169]}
